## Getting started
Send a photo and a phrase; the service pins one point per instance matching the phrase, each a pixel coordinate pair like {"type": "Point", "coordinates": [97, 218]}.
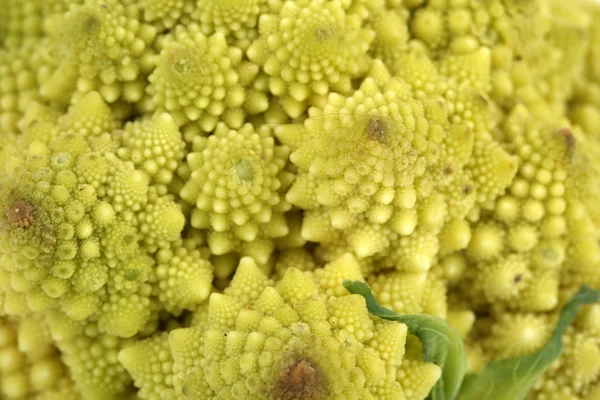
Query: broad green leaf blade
{"type": "Point", "coordinates": [512, 378]}
{"type": "Point", "coordinates": [442, 345]}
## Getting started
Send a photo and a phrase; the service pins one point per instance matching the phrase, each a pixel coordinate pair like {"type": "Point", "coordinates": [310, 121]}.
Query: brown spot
{"type": "Point", "coordinates": [299, 381]}
{"type": "Point", "coordinates": [570, 141]}
{"type": "Point", "coordinates": [467, 189]}
{"type": "Point", "coordinates": [128, 239]}
{"type": "Point", "coordinates": [448, 169]}
{"type": "Point", "coordinates": [377, 129]}
{"type": "Point", "coordinates": [518, 278]}
{"type": "Point", "coordinates": [48, 242]}
{"type": "Point", "coordinates": [21, 213]}
{"type": "Point", "coordinates": [91, 24]}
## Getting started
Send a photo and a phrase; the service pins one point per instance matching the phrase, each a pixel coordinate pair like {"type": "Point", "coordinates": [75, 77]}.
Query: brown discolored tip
{"type": "Point", "coordinates": [20, 212]}
{"type": "Point", "coordinates": [448, 169]}
{"type": "Point", "coordinates": [467, 189]}
{"type": "Point", "coordinates": [377, 129]}
{"type": "Point", "coordinates": [91, 24]}
{"type": "Point", "coordinates": [301, 380]}
{"type": "Point", "coordinates": [570, 141]}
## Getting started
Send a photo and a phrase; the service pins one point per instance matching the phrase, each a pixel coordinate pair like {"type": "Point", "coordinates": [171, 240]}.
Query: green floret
{"type": "Point", "coordinates": [79, 225]}
{"type": "Point", "coordinates": [197, 78]}
{"type": "Point", "coordinates": [376, 167]}
{"type": "Point", "coordinates": [92, 360]}
{"type": "Point", "coordinates": [401, 291]}
{"type": "Point", "coordinates": [236, 19]}
{"type": "Point", "coordinates": [236, 183]}
{"type": "Point", "coordinates": [155, 242]}
{"type": "Point", "coordinates": [515, 335]}
{"type": "Point", "coordinates": [165, 14]}
{"type": "Point", "coordinates": [108, 47]}
{"type": "Point", "coordinates": [464, 26]}
{"type": "Point", "coordinates": [59, 6]}
{"type": "Point", "coordinates": [20, 20]}
{"type": "Point", "coordinates": [30, 365]}
{"type": "Point", "coordinates": [574, 375]}
{"type": "Point", "coordinates": [391, 35]}
{"type": "Point", "coordinates": [294, 339]}
{"type": "Point", "coordinates": [155, 146]}
{"type": "Point", "coordinates": [150, 364]}
{"type": "Point", "coordinates": [23, 70]}
{"type": "Point", "coordinates": [534, 242]}
{"type": "Point", "coordinates": [310, 48]}
{"type": "Point", "coordinates": [184, 279]}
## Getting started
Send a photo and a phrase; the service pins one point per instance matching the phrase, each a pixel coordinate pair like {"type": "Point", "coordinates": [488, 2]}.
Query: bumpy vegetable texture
{"type": "Point", "coordinates": [195, 193]}
{"type": "Point", "coordinates": [442, 343]}
{"type": "Point", "coordinates": [513, 377]}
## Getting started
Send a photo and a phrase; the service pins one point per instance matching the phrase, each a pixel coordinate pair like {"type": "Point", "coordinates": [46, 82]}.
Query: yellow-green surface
{"type": "Point", "coordinates": [185, 185]}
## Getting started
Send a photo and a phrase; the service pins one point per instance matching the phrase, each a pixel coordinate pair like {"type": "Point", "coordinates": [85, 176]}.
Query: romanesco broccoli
{"type": "Point", "coordinates": [187, 187]}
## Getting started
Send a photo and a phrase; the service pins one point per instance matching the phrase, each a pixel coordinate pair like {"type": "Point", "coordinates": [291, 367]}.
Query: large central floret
{"type": "Point", "coordinates": [109, 47]}
{"type": "Point", "coordinates": [309, 48]}
{"type": "Point", "coordinates": [377, 168]}
{"type": "Point", "coordinates": [303, 337]}
{"type": "Point", "coordinates": [79, 225]}
{"type": "Point", "coordinates": [196, 79]}
{"type": "Point", "coordinates": [236, 182]}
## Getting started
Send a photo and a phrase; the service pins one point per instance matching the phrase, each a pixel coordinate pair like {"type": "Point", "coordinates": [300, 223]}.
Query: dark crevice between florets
{"type": "Point", "coordinates": [301, 380]}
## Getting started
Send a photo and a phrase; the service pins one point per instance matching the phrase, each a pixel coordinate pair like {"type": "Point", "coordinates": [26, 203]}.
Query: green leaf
{"type": "Point", "coordinates": [442, 345]}
{"type": "Point", "coordinates": [512, 378]}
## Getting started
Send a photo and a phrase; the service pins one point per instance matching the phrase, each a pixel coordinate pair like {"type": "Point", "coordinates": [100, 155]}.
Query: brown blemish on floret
{"type": "Point", "coordinates": [467, 189]}
{"type": "Point", "coordinates": [570, 141]}
{"type": "Point", "coordinates": [21, 213]}
{"type": "Point", "coordinates": [301, 380]}
{"type": "Point", "coordinates": [377, 129]}
{"type": "Point", "coordinates": [448, 169]}
{"type": "Point", "coordinates": [91, 24]}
